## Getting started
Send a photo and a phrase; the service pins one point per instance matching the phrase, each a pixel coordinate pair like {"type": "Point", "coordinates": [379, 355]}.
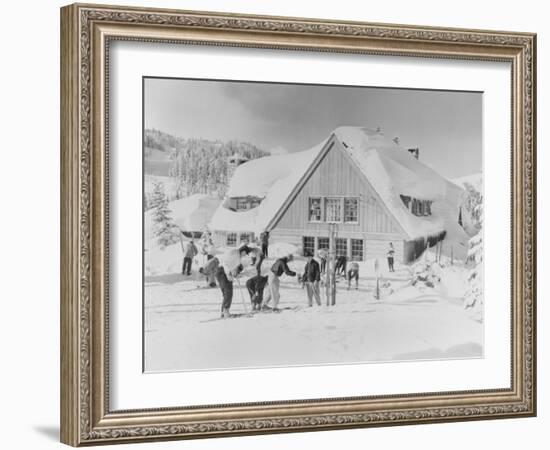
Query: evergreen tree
{"type": "Point", "coordinates": [164, 228]}
{"type": "Point", "coordinates": [474, 295]}
{"type": "Point", "coordinates": [198, 165]}
{"type": "Point", "coordinates": [473, 202]}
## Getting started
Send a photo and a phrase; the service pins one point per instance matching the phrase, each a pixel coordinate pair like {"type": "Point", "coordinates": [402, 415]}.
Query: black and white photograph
{"type": "Point", "coordinates": [307, 224]}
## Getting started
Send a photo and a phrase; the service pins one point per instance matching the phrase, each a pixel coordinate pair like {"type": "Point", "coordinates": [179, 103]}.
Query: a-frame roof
{"type": "Point", "coordinates": [390, 170]}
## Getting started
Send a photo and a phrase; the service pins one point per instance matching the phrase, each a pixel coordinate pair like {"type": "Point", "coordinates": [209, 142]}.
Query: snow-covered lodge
{"type": "Point", "coordinates": [373, 190]}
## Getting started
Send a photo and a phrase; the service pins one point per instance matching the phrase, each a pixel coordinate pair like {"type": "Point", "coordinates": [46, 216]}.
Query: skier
{"type": "Point", "coordinates": [225, 282]}
{"type": "Point", "coordinates": [229, 268]}
{"type": "Point", "coordinates": [264, 238]}
{"type": "Point", "coordinates": [209, 270]}
{"type": "Point", "coordinates": [189, 252]}
{"type": "Point", "coordinates": [255, 287]}
{"type": "Point", "coordinates": [391, 253]}
{"type": "Point", "coordinates": [353, 273]}
{"type": "Point", "coordinates": [311, 279]}
{"type": "Point", "coordinates": [280, 266]}
{"type": "Point", "coordinates": [341, 263]}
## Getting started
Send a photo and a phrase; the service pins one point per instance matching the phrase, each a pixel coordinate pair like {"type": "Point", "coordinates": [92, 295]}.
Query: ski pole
{"type": "Point", "coordinates": [242, 296]}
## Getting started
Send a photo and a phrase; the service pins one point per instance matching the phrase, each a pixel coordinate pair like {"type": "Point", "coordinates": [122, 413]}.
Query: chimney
{"type": "Point", "coordinates": [414, 151]}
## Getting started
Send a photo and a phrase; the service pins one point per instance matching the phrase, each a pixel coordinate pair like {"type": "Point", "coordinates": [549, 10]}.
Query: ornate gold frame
{"type": "Point", "coordinates": [86, 31]}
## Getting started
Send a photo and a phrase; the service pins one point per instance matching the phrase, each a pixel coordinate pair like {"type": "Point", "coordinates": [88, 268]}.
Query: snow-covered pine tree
{"type": "Point", "coordinates": [474, 295]}
{"type": "Point", "coordinates": [473, 203]}
{"type": "Point", "coordinates": [164, 228]}
{"type": "Point", "coordinates": [198, 165]}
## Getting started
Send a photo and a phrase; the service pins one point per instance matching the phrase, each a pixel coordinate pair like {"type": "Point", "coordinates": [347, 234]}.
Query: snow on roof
{"type": "Point", "coordinates": [194, 212]}
{"type": "Point", "coordinates": [390, 169]}
{"type": "Point", "coordinates": [272, 178]}
{"type": "Point", "coordinates": [405, 173]}
{"type": "Point", "coordinates": [475, 180]}
{"type": "Point", "coordinates": [190, 213]}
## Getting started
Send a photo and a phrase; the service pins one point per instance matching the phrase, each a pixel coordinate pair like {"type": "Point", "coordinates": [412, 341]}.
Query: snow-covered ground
{"type": "Point", "coordinates": [409, 322]}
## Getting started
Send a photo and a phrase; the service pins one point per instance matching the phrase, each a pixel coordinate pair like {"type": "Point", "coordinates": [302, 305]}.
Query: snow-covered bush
{"type": "Point", "coordinates": [426, 274]}
{"type": "Point", "coordinates": [473, 297]}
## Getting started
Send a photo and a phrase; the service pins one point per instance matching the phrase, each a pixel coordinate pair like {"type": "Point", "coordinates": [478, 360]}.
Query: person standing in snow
{"type": "Point", "coordinates": [353, 273]}
{"type": "Point", "coordinates": [264, 238]}
{"type": "Point", "coordinates": [311, 279]}
{"type": "Point", "coordinates": [391, 254]}
{"type": "Point", "coordinates": [229, 268]}
{"type": "Point", "coordinates": [225, 282]}
{"type": "Point", "coordinates": [189, 252]}
{"type": "Point", "coordinates": [280, 267]}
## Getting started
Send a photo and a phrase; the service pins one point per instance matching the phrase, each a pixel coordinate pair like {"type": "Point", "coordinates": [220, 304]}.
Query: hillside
{"type": "Point", "coordinates": [194, 166]}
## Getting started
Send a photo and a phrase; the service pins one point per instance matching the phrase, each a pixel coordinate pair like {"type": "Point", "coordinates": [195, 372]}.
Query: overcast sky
{"type": "Point", "coordinates": [446, 126]}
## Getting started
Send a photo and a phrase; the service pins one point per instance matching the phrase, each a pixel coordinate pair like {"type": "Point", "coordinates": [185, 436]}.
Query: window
{"type": "Point", "coordinates": [231, 240]}
{"type": "Point", "coordinates": [323, 243]}
{"type": "Point", "coordinates": [417, 207]}
{"type": "Point", "coordinates": [308, 245]}
{"type": "Point", "coordinates": [245, 238]}
{"type": "Point", "coordinates": [315, 211]}
{"type": "Point", "coordinates": [242, 204]}
{"type": "Point", "coordinates": [333, 209]}
{"type": "Point", "coordinates": [357, 249]}
{"type": "Point", "coordinates": [341, 247]}
{"type": "Point", "coordinates": [406, 200]}
{"type": "Point", "coordinates": [351, 210]}
{"type": "Point", "coordinates": [428, 208]}
{"type": "Point", "coordinates": [255, 202]}
{"type": "Point", "coordinates": [336, 209]}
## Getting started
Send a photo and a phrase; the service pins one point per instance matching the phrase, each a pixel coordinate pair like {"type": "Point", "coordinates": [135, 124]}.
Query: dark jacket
{"type": "Point", "coordinates": [264, 237]}
{"type": "Point", "coordinates": [280, 266]}
{"type": "Point", "coordinates": [312, 271]}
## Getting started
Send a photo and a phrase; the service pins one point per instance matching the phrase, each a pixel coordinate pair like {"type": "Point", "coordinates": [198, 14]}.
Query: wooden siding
{"type": "Point", "coordinates": [337, 176]}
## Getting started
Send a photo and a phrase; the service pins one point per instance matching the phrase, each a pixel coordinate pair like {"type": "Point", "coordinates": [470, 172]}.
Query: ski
{"type": "Point", "coordinates": [269, 310]}
{"type": "Point", "coordinates": [231, 316]}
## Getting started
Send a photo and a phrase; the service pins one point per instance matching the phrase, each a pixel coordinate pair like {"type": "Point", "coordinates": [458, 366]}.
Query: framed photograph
{"type": "Point", "coordinates": [275, 224]}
